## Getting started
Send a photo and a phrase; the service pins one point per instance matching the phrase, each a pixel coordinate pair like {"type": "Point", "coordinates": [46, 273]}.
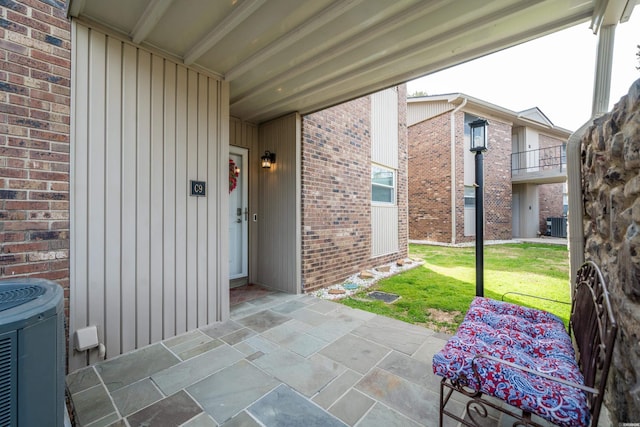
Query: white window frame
{"type": "Point", "coordinates": [393, 187]}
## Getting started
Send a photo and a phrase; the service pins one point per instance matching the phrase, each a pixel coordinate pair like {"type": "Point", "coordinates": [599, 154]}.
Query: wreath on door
{"type": "Point", "coordinates": [233, 175]}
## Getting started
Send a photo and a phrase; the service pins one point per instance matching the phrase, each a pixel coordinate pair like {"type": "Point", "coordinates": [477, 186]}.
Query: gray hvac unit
{"type": "Point", "coordinates": [32, 353]}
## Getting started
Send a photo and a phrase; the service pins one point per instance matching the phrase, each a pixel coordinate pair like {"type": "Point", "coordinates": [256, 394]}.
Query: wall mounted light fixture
{"type": "Point", "coordinates": [268, 159]}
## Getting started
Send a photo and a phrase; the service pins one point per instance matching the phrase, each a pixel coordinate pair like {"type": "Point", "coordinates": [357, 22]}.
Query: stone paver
{"type": "Point", "coordinates": [136, 396]}
{"type": "Point", "coordinates": [225, 393]}
{"type": "Point", "coordinates": [131, 367]}
{"type": "Point", "coordinates": [174, 410]}
{"type": "Point", "coordinates": [355, 353]}
{"type": "Point", "coordinates": [352, 406]}
{"type": "Point", "coordinates": [283, 407]}
{"type": "Point", "coordinates": [282, 360]}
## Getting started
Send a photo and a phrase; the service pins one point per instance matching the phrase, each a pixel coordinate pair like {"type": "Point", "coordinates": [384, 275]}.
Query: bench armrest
{"type": "Point", "coordinates": [582, 387]}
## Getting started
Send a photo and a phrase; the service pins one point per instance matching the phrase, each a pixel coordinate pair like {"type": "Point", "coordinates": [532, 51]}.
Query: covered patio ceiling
{"type": "Point", "coordinates": [295, 55]}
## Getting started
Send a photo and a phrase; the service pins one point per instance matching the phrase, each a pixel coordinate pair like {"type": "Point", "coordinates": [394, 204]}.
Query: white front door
{"type": "Point", "coordinates": [238, 213]}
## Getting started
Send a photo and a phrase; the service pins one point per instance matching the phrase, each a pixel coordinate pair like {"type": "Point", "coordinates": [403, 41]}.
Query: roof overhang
{"type": "Point", "coordinates": [489, 110]}
{"type": "Point", "coordinates": [304, 55]}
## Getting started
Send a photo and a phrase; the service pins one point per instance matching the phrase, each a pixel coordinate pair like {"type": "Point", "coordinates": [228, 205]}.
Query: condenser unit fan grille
{"type": "Point", "coordinates": [15, 295]}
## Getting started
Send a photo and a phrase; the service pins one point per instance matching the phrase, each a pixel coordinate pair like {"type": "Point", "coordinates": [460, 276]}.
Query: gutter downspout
{"type": "Point", "coordinates": [453, 169]}
{"type": "Point", "coordinates": [600, 105]}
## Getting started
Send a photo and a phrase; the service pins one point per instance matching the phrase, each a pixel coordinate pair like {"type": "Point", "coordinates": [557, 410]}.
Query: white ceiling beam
{"type": "Point", "coordinates": [239, 14]}
{"type": "Point", "coordinates": [316, 22]}
{"type": "Point", "coordinates": [339, 48]}
{"type": "Point", "coordinates": [149, 19]}
{"type": "Point", "coordinates": [448, 61]}
{"type": "Point", "coordinates": [359, 69]}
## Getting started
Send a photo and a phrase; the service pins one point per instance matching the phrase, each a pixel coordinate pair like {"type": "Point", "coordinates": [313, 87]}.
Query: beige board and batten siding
{"type": "Point", "coordinates": [384, 151]}
{"type": "Point", "coordinates": [148, 261]}
{"type": "Point", "coordinates": [279, 235]}
{"type": "Point", "coordinates": [420, 111]}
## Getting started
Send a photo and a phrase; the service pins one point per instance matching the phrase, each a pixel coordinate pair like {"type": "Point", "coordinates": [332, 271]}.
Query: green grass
{"type": "Point", "coordinates": [438, 293]}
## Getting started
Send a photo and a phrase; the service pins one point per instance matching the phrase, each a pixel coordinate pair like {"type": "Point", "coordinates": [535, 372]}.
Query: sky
{"type": "Point", "coordinates": [554, 73]}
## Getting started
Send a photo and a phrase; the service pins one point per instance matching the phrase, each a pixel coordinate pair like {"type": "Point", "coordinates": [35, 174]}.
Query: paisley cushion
{"type": "Point", "coordinates": [524, 336]}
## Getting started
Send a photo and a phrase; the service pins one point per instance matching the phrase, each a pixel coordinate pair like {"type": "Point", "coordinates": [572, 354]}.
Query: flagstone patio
{"type": "Point", "coordinates": [281, 360]}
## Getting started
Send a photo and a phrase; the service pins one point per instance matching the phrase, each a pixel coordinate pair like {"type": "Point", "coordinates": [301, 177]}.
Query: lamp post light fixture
{"type": "Point", "coordinates": [479, 145]}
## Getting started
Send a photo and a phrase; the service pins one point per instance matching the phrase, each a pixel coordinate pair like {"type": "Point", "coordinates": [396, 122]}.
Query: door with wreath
{"type": "Point", "coordinates": [238, 213]}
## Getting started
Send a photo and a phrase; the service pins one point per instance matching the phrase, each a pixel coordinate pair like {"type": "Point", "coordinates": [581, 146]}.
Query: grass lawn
{"type": "Point", "coordinates": [438, 293]}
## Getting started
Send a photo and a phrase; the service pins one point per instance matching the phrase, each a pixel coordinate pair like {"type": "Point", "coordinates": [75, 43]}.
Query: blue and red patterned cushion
{"type": "Point", "coordinates": [527, 337]}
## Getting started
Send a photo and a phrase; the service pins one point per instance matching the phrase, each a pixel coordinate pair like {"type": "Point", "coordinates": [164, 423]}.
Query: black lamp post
{"type": "Point", "coordinates": [479, 145]}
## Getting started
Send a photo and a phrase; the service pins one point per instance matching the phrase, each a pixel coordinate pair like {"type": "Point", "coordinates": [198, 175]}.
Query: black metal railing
{"type": "Point", "coordinates": [541, 159]}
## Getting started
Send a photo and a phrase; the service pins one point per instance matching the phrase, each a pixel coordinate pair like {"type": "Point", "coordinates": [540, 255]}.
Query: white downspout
{"type": "Point", "coordinates": [600, 105]}
{"type": "Point", "coordinates": [453, 169]}
{"type": "Point", "coordinates": [604, 64]}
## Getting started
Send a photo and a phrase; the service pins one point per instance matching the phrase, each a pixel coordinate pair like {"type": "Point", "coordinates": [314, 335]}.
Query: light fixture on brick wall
{"type": "Point", "coordinates": [268, 159]}
{"type": "Point", "coordinates": [478, 134]}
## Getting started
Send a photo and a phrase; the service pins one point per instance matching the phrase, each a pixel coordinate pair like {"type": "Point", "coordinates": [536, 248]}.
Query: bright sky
{"type": "Point", "coordinates": [554, 73]}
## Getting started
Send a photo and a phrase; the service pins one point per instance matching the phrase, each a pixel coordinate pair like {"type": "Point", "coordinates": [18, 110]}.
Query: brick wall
{"type": "Point", "coordinates": [35, 73]}
{"type": "Point", "coordinates": [430, 179]}
{"type": "Point", "coordinates": [336, 192]}
{"type": "Point", "coordinates": [550, 197]}
{"type": "Point", "coordinates": [497, 182]}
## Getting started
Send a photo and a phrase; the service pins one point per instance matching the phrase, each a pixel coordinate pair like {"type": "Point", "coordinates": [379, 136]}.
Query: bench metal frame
{"type": "Point", "coordinates": [593, 329]}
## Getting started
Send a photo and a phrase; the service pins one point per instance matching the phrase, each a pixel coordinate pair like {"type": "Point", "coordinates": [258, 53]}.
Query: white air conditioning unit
{"type": "Point", "coordinates": [32, 353]}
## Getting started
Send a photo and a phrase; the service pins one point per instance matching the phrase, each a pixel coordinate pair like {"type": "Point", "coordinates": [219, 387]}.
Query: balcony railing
{"type": "Point", "coordinates": [539, 160]}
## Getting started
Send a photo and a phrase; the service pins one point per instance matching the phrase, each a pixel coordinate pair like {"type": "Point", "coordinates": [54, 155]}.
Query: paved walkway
{"type": "Point", "coordinates": [282, 360]}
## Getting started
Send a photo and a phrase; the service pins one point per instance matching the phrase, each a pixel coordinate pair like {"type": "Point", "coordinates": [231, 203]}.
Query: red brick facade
{"type": "Point", "coordinates": [430, 180]}
{"type": "Point", "coordinates": [336, 192]}
{"type": "Point", "coordinates": [497, 182]}
{"type": "Point", "coordinates": [35, 80]}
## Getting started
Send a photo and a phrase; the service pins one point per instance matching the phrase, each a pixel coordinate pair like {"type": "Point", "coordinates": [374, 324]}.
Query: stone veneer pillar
{"type": "Point", "coordinates": [611, 197]}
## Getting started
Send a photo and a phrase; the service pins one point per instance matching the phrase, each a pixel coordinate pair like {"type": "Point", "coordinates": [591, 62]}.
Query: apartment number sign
{"type": "Point", "coordinates": [198, 188]}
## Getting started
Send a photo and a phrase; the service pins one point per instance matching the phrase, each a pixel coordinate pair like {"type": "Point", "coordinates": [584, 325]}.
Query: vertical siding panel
{"type": "Point", "coordinates": [156, 238]}
{"type": "Point", "coordinates": [384, 223]}
{"type": "Point", "coordinates": [233, 124]}
{"type": "Point", "coordinates": [384, 150]}
{"type": "Point", "coordinates": [216, 162]}
{"type": "Point", "coordinates": [143, 200]}
{"type": "Point", "coordinates": [254, 172]}
{"type": "Point", "coordinates": [147, 259]}
{"type": "Point", "coordinates": [384, 128]}
{"type": "Point", "coordinates": [129, 172]}
{"type": "Point", "coordinates": [202, 235]}
{"type": "Point", "coordinates": [96, 172]}
{"type": "Point", "coordinates": [79, 188]}
{"type": "Point", "coordinates": [221, 282]}
{"type": "Point", "coordinates": [169, 178]}
{"type": "Point", "coordinates": [192, 205]}
{"type": "Point", "coordinates": [278, 261]}
{"type": "Point", "coordinates": [182, 185]}
{"type": "Point", "coordinates": [113, 244]}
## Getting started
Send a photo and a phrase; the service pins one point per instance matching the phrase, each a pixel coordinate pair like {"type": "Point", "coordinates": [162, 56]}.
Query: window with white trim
{"type": "Point", "coordinates": [383, 185]}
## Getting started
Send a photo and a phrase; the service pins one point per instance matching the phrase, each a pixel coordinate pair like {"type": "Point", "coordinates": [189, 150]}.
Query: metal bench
{"type": "Point", "coordinates": [528, 360]}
